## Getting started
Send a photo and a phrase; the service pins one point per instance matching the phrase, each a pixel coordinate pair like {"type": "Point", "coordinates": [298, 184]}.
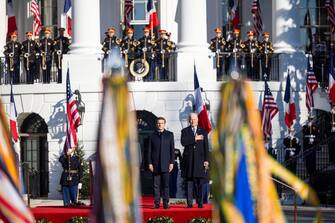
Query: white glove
{"type": "Point", "coordinates": [80, 185]}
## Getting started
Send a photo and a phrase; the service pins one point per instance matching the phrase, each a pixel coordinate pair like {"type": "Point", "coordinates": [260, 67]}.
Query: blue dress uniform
{"type": "Point", "coordinates": [71, 177]}
{"type": "Point", "coordinates": [12, 54]}
{"type": "Point", "coordinates": [29, 51]}
{"type": "Point", "coordinates": [235, 47]}
{"type": "Point", "coordinates": [162, 51]}
{"type": "Point", "coordinates": [310, 132]}
{"type": "Point", "coordinates": [128, 48]}
{"type": "Point", "coordinates": [46, 49]}
{"type": "Point", "coordinates": [292, 149]}
{"type": "Point", "coordinates": [251, 58]}
{"type": "Point", "coordinates": [218, 45]}
{"type": "Point", "coordinates": [266, 51]}
{"type": "Point", "coordinates": [146, 47]}
{"type": "Point", "coordinates": [174, 174]}
{"type": "Point", "coordinates": [61, 47]}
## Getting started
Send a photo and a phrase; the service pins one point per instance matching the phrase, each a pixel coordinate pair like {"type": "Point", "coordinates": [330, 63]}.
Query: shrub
{"type": "Point", "coordinates": [160, 220]}
{"type": "Point", "coordinates": [200, 220]}
{"type": "Point", "coordinates": [78, 220]}
{"type": "Point", "coordinates": [43, 220]}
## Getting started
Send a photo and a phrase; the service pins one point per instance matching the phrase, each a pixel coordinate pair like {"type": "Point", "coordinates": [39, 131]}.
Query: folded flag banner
{"type": "Point", "coordinates": [290, 112]}
{"type": "Point", "coordinates": [241, 169]}
{"type": "Point", "coordinates": [116, 198]}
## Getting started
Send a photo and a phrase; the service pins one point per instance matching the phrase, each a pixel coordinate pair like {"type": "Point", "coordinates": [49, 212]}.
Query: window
{"type": "Point", "coordinates": [49, 15]}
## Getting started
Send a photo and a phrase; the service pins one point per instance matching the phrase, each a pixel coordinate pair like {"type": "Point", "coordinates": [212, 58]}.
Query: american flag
{"type": "Point", "coordinates": [73, 117]}
{"type": "Point", "coordinates": [269, 110]}
{"type": "Point", "coordinates": [37, 26]}
{"type": "Point", "coordinates": [128, 8]}
{"type": "Point", "coordinates": [311, 86]}
{"type": "Point", "coordinates": [256, 14]}
{"type": "Point", "coordinates": [331, 14]}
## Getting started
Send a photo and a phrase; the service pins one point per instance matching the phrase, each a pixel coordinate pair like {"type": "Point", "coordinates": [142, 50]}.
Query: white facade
{"type": "Point", "coordinates": [191, 23]}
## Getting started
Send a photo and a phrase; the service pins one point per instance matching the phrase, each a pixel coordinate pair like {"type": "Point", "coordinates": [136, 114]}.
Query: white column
{"type": "Point", "coordinates": [86, 27]}
{"type": "Point", "coordinates": [286, 26]}
{"type": "Point", "coordinates": [3, 23]}
{"type": "Point", "coordinates": [193, 46]}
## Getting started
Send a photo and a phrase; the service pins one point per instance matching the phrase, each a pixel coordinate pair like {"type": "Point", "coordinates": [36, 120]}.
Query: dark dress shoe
{"type": "Point", "coordinates": [156, 206]}
{"type": "Point", "coordinates": [200, 206]}
{"type": "Point", "coordinates": [189, 206]}
{"type": "Point", "coordinates": [166, 206]}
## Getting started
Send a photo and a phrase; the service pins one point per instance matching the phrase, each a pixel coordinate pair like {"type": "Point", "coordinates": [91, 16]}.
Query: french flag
{"type": "Point", "coordinates": [68, 15]}
{"type": "Point", "coordinates": [290, 112]}
{"type": "Point", "coordinates": [12, 119]}
{"type": "Point", "coordinates": [152, 13]}
{"type": "Point", "coordinates": [11, 17]}
{"type": "Point", "coordinates": [331, 79]}
{"type": "Point", "coordinates": [200, 106]}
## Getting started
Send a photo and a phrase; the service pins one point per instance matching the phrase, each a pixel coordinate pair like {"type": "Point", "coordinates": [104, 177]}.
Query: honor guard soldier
{"type": "Point", "coordinates": [236, 46]}
{"type": "Point", "coordinates": [171, 44]}
{"type": "Point", "coordinates": [46, 49]}
{"type": "Point", "coordinates": [292, 149]}
{"type": "Point", "coordinates": [217, 46]}
{"type": "Point", "coordinates": [12, 53]}
{"type": "Point", "coordinates": [110, 42]}
{"type": "Point", "coordinates": [128, 47]}
{"type": "Point", "coordinates": [252, 49]}
{"type": "Point", "coordinates": [162, 52]}
{"type": "Point", "coordinates": [330, 128]}
{"type": "Point", "coordinates": [71, 177]}
{"type": "Point", "coordinates": [310, 132]}
{"type": "Point", "coordinates": [61, 46]}
{"type": "Point", "coordinates": [266, 54]}
{"type": "Point", "coordinates": [146, 50]}
{"type": "Point", "coordinates": [29, 51]}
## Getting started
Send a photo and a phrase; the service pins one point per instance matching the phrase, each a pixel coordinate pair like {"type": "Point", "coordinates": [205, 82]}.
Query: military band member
{"type": "Point", "coordinates": [330, 128]}
{"type": "Point", "coordinates": [146, 50]}
{"type": "Point", "coordinates": [266, 54]}
{"type": "Point", "coordinates": [236, 47]}
{"type": "Point", "coordinates": [162, 50]}
{"type": "Point", "coordinates": [251, 58]}
{"type": "Point", "coordinates": [29, 50]}
{"type": "Point", "coordinates": [292, 149]}
{"type": "Point", "coordinates": [46, 49]}
{"type": "Point", "coordinates": [71, 177]}
{"type": "Point", "coordinates": [61, 46]}
{"type": "Point", "coordinates": [12, 53]}
{"type": "Point", "coordinates": [217, 46]}
{"type": "Point", "coordinates": [310, 132]}
{"type": "Point", "coordinates": [128, 47]}
{"type": "Point", "coordinates": [110, 42]}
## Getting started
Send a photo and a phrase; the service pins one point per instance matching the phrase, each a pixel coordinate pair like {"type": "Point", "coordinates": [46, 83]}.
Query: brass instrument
{"type": "Point", "coordinates": [235, 52]}
{"type": "Point", "coordinates": [27, 55]}
{"type": "Point", "coordinates": [251, 54]}
{"type": "Point", "coordinates": [44, 65]}
{"type": "Point", "coordinates": [162, 54]}
{"type": "Point", "coordinates": [333, 123]}
{"type": "Point", "coordinates": [126, 55]}
{"type": "Point", "coordinates": [11, 61]}
{"type": "Point", "coordinates": [217, 53]}
{"type": "Point", "coordinates": [59, 54]}
{"type": "Point", "coordinates": [266, 52]}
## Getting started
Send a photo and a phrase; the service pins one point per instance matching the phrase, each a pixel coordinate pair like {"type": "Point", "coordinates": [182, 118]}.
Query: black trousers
{"type": "Point", "coordinates": [195, 186]}
{"type": "Point", "coordinates": [47, 72]}
{"type": "Point", "coordinates": [161, 187]}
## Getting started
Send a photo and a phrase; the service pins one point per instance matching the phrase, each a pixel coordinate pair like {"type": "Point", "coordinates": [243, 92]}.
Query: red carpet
{"type": "Point", "coordinates": [177, 212]}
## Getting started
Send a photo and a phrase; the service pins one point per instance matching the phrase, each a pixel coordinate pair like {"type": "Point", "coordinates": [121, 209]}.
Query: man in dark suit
{"type": "Point", "coordinates": [195, 159]}
{"type": "Point", "coordinates": [160, 160]}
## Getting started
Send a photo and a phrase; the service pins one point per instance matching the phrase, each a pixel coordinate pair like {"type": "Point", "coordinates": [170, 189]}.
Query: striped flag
{"type": "Point", "coordinates": [11, 26]}
{"type": "Point", "coordinates": [331, 84]}
{"type": "Point", "coordinates": [12, 120]}
{"type": "Point", "coordinates": [73, 117]}
{"type": "Point", "coordinates": [200, 106]}
{"type": "Point", "coordinates": [269, 110]}
{"type": "Point", "coordinates": [152, 14]}
{"type": "Point", "coordinates": [128, 8]}
{"type": "Point", "coordinates": [256, 14]}
{"type": "Point", "coordinates": [12, 207]}
{"type": "Point", "coordinates": [68, 15]}
{"type": "Point", "coordinates": [116, 198]}
{"type": "Point", "coordinates": [311, 86]}
{"type": "Point", "coordinates": [234, 14]}
{"type": "Point", "coordinates": [37, 26]}
{"type": "Point", "coordinates": [331, 14]}
{"type": "Point", "coordinates": [290, 112]}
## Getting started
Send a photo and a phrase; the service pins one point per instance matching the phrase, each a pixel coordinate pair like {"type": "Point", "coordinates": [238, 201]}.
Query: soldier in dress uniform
{"type": "Point", "coordinates": [162, 50]}
{"type": "Point", "coordinates": [29, 51]}
{"type": "Point", "coordinates": [266, 51]}
{"type": "Point", "coordinates": [71, 177]}
{"type": "Point", "coordinates": [310, 132]}
{"type": "Point", "coordinates": [46, 49]}
{"type": "Point", "coordinates": [236, 47]}
{"type": "Point", "coordinates": [61, 46]}
{"type": "Point", "coordinates": [292, 149]}
{"type": "Point", "coordinates": [252, 49]}
{"type": "Point", "coordinates": [217, 46]}
{"type": "Point", "coordinates": [330, 128]}
{"type": "Point", "coordinates": [110, 42]}
{"type": "Point", "coordinates": [146, 51]}
{"type": "Point", "coordinates": [12, 53]}
{"type": "Point", "coordinates": [128, 47]}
